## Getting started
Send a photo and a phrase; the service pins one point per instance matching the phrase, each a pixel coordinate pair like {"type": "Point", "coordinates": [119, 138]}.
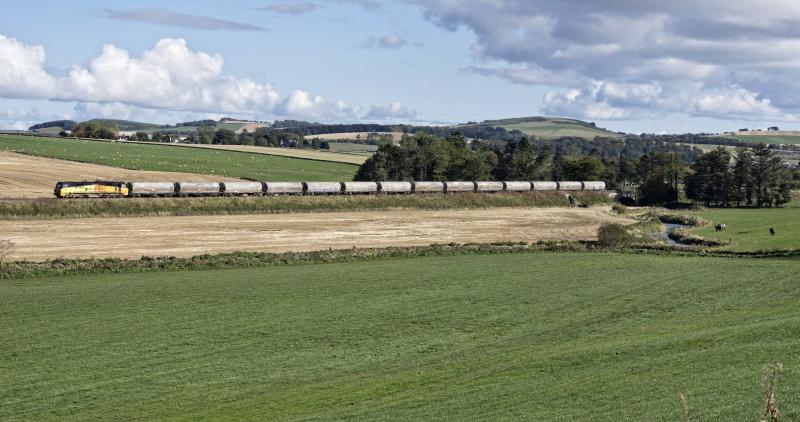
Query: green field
{"type": "Point", "coordinates": [350, 148]}
{"type": "Point", "coordinates": [548, 336]}
{"type": "Point", "coordinates": [189, 160]}
{"type": "Point", "coordinates": [549, 128]}
{"type": "Point", "coordinates": [229, 126]}
{"type": "Point", "coordinates": [748, 229]}
{"type": "Point", "coordinates": [768, 139]}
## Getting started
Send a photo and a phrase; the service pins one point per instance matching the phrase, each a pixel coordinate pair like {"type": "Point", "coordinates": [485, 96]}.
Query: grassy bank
{"type": "Point", "coordinates": [18, 270]}
{"type": "Point", "coordinates": [190, 160]}
{"type": "Point", "coordinates": [550, 336]}
{"type": "Point", "coordinates": [52, 208]}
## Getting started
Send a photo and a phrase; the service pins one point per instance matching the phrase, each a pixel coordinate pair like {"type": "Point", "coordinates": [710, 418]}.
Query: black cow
{"type": "Point", "coordinates": [772, 231]}
{"type": "Point", "coordinates": [720, 227]}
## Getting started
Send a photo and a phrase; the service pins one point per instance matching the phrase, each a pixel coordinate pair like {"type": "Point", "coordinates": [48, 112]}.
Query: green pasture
{"type": "Point", "coordinates": [768, 139]}
{"type": "Point", "coordinates": [547, 336]}
{"type": "Point", "coordinates": [748, 228]}
{"type": "Point", "coordinates": [551, 128]}
{"type": "Point", "coordinates": [189, 160]}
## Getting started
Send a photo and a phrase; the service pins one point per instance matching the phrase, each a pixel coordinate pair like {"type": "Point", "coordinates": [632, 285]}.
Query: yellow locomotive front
{"type": "Point", "coordinates": [101, 189]}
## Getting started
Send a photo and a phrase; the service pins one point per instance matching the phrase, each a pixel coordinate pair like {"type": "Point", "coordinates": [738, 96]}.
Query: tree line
{"type": "Point", "coordinates": [754, 177]}
{"type": "Point", "coordinates": [757, 178]}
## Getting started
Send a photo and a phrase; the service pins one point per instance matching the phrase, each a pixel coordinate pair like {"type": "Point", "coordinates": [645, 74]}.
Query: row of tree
{"type": "Point", "coordinates": [753, 177]}
{"type": "Point", "coordinates": [756, 178]}
{"type": "Point", "coordinates": [94, 130]}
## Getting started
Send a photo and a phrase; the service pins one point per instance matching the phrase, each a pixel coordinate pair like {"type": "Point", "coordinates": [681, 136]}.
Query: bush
{"type": "Point", "coordinates": [6, 248]}
{"type": "Point", "coordinates": [613, 235]}
{"type": "Point", "coordinates": [620, 209]}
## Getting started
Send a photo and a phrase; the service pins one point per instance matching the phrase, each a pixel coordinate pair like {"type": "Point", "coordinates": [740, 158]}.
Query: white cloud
{"type": "Point", "coordinates": [688, 48]}
{"type": "Point", "coordinates": [391, 41]}
{"type": "Point", "coordinates": [304, 105]}
{"type": "Point", "coordinates": [739, 104]}
{"type": "Point", "coordinates": [578, 104]}
{"type": "Point", "coordinates": [22, 73]}
{"type": "Point", "coordinates": [169, 76]}
{"type": "Point", "coordinates": [393, 110]}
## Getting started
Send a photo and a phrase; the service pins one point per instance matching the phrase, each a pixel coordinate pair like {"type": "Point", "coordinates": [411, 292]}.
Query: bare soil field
{"type": "Point", "coordinates": [24, 176]}
{"type": "Point", "coordinates": [189, 236]}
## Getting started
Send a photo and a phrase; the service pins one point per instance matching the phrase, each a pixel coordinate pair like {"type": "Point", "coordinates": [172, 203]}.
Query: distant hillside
{"type": "Point", "coordinates": [551, 127]}
{"type": "Point", "coordinates": [57, 124]}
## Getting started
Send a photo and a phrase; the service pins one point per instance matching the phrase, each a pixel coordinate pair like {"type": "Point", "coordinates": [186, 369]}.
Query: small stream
{"type": "Point", "coordinates": [665, 234]}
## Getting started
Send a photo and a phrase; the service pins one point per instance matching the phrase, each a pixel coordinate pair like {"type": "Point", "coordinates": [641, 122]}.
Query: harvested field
{"type": "Point", "coordinates": [189, 236]}
{"type": "Point", "coordinates": [24, 176]}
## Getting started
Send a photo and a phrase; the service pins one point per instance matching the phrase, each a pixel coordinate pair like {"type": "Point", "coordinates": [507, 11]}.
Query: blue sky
{"type": "Point", "coordinates": [642, 67]}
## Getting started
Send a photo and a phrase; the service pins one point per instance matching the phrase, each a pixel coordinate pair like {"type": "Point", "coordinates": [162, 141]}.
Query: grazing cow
{"type": "Point", "coordinates": [720, 227]}
{"type": "Point", "coordinates": [772, 231]}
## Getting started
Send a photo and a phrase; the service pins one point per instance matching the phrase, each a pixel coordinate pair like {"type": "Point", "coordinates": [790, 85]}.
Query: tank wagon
{"type": "Point", "coordinates": [428, 187]}
{"type": "Point", "coordinates": [459, 186]}
{"type": "Point", "coordinates": [489, 186]}
{"type": "Point", "coordinates": [242, 188]}
{"type": "Point", "coordinates": [198, 188]}
{"type": "Point", "coordinates": [250, 188]}
{"type": "Point", "coordinates": [544, 186]}
{"type": "Point", "coordinates": [395, 187]}
{"type": "Point", "coordinates": [151, 189]}
{"type": "Point", "coordinates": [362, 188]}
{"type": "Point", "coordinates": [322, 188]}
{"type": "Point", "coordinates": [594, 185]}
{"type": "Point", "coordinates": [569, 186]}
{"type": "Point", "coordinates": [517, 186]}
{"type": "Point", "coordinates": [284, 188]}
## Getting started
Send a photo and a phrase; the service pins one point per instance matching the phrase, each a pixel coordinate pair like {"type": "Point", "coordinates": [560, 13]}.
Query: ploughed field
{"type": "Point", "coordinates": [196, 235]}
{"type": "Point", "coordinates": [25, 176]}
{"type": "Point", "coordinates": [215, 162]}
{"type": "Point", "coordinates": [547, 336]}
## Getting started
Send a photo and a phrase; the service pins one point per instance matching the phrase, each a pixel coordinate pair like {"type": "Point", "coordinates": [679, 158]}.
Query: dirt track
{"type": "Point", "coordinates": [23, 176]}
{"type": "Point", "coordinates": [188, 236]}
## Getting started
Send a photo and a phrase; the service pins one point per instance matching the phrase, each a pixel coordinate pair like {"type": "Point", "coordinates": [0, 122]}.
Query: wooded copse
{"type": "Point", "coordinates": [756, 178]}
{"type": "Point", "coordinates": [751, 177]}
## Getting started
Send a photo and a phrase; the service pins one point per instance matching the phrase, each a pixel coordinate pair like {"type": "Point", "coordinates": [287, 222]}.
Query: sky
{"type": "Point", "coordinates": [628, 65]}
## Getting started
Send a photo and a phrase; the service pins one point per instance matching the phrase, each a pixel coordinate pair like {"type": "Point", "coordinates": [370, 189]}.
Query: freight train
{"type": "Point", "coordinates": [115, 189]}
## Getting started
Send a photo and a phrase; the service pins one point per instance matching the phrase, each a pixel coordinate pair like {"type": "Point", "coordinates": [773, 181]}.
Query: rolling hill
{"type": "Point", "coordinates": [551, 127]}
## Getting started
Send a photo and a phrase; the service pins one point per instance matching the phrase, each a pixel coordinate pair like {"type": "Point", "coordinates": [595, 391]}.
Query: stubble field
{"type": "Point", "coordinates": [189, 236]}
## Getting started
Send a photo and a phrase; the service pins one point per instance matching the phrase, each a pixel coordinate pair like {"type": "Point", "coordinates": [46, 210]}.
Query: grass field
{"type": "Point", "coordinates": [230, 126]}
{"type": "Point", "coordinates": [548, 336]}
{"type": "Point", "coordinates": [189, 160]}
{"type": "Point", "coordinates": [748, 229]}
{"type": "Point", "coordinates": [308, 154]}
{"type": "Point", "coordinates": [768, 139]}
{"type": "Point", "coordinates": [550, 128]}
{"type": "Point", "coordinates": [344, 147]}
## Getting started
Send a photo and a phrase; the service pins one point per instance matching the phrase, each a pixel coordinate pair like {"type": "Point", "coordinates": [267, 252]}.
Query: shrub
{"type": "Point", "coordinates": [614, 235]}
{"type": "Point", "coordinates": [620, 209]}
{"type": "Point", "coordinates": [6, 247]}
